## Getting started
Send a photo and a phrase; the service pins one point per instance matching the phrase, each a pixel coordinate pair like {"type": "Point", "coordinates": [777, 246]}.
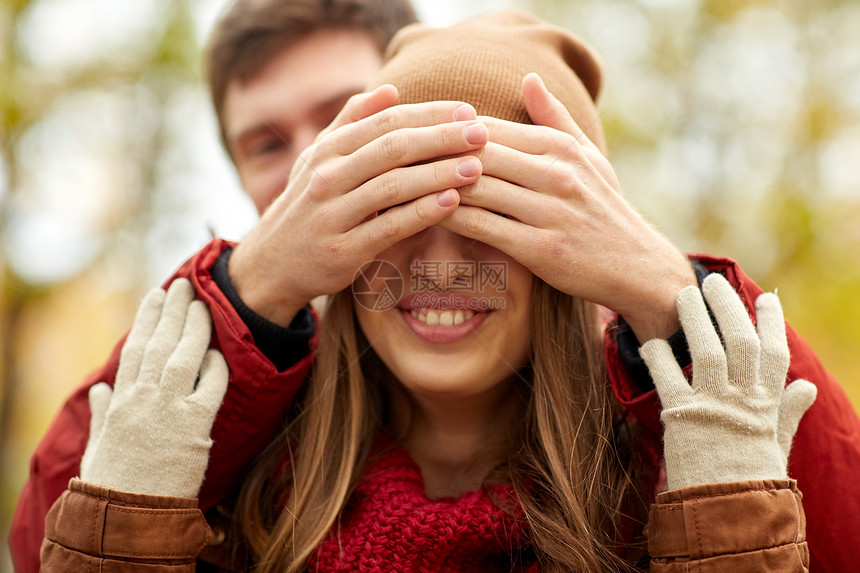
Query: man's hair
{"type": "Point", "coordinates": [252, 32]}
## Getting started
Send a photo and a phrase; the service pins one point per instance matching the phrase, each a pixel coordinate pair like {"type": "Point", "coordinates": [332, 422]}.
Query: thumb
{"type": "Point", "coordinates": [545, 109]}
{"type": "Point", "coordinates": [100, 395]}
{"type": "Point", "coordinates": [212, 385]}
{"type": "Point", "coordinates": [795, 401]}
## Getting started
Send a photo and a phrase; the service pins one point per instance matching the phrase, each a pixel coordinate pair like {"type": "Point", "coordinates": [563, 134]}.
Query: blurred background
{"type": "Point", "coordinates": [734, 126]}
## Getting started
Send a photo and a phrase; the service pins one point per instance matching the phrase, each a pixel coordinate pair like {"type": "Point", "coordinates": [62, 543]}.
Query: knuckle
{"type": "Point", "coordinates": [389, 187]}
{"type": "Point", "coordinates": [469, 193]}
{"type": "Point", "coordinates": [337, 142]}
{"type": "Point", "coordinates": [475, 223]}
{"type": "Point", "coordinates": [445, 136]}
{"type": "Point", "coordinates": [334, 248]}
{"type": "Point", "coordinates": [442, 112]}
{"type": "Point", "coordinates": [324, 146]}
{"type": "Point", "coordinates": [388, 227]}
{"type": "Point", "coordinates": [572, 144]}
{"type": "Point", "coordinates": [388, 120]}
{"type": "Point", "coordinates": [563, 179]}
{"type": "Point", "coordinates": [442, 173]}
{"type": "Point", "coordinates": [393, 147]}
{"type": "Point", "coordinates": [318, 185]}
{"type": "Point", "coordinates": [550, 243]}
{"type": "Point", "coordinates": [421, 210]}
{"type": "Point", "coordinates": [326, 217]}
{"type": "Point", "coordinates": [558, 211]}
{"type": "Point", "coordinates": [475, 190]}
{"type": "Point", "coordinates": [559, 143]}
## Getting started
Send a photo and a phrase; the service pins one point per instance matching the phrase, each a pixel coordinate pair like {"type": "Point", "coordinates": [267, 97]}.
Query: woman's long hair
{"type": "Point", "coordinates": [567, 468]}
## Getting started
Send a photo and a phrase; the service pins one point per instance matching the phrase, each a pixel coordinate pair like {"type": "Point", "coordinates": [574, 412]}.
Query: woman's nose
{"type": "Point", "coordinates": [436, 243]}
{"type": "Point", "coordinates": [443, 258]}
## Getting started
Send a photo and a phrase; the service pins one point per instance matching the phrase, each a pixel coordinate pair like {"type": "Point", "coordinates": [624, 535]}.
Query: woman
{"type": "Point", "coordinates": [470, 426]}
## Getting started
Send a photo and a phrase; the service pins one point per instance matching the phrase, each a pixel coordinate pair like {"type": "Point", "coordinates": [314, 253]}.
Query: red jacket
{"type": "Point", "coordinates": [825, 458]}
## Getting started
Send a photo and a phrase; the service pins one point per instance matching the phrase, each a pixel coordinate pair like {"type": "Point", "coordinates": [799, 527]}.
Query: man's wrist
{"type": "Point", "coordinates": [654, 315]}
{"type": "Point", "coordinates": [254, 294]}
{"type": "Point", "coordinates": [283, 346]}
{"type": "Point", "coordinates": [628, 344]}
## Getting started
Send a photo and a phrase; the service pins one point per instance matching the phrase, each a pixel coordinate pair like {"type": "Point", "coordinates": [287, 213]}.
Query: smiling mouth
{"type": "Point", "coordinates": [434, 317]}
{"type": "Point", "coordinates": [438, 326]}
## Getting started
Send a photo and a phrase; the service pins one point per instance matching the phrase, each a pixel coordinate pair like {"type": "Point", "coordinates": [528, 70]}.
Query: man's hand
{"type": "Point", "coordinates": [551, 200]}
{"type": "Point", "coordinates": [378, 174]}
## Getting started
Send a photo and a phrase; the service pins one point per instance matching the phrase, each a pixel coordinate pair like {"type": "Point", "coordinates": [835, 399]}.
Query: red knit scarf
{"type": "Point", "coordinates": [390, 525]}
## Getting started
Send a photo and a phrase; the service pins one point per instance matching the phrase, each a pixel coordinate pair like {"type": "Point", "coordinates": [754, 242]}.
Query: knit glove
{"type": "Point", "coordinates": [150, 434]}
{"type": "Point", "coordinates": [737, 419]}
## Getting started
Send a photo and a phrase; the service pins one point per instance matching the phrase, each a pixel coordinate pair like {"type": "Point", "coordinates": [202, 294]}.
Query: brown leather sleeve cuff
{"type": "Point", "coordinates": [93, 522]}
{"type": "Point", "coordinates": [755, 525]}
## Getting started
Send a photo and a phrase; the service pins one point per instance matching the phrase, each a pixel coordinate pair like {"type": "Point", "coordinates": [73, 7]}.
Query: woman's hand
{"type": "Point", "coordinates": [374, 158]}
{"type": "Point", "coordinates": [150, 434]}
{"type": "Point", "coordinates": [551, 200]}
{"type": "Point", "coordinates": [738, 418]}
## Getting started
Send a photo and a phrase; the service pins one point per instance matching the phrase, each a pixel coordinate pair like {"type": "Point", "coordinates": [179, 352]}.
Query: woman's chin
{"type": "Point", "coordinates": [451, 381]}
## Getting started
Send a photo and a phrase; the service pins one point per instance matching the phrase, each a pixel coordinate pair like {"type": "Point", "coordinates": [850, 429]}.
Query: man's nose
{"type": "Point", "coordinates": [303, 136]}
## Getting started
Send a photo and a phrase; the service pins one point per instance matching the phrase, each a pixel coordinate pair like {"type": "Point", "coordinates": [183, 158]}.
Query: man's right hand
{"type": "Point", "coordinates": [372, 178]}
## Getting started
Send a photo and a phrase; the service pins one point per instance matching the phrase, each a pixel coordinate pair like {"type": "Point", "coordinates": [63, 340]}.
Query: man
{"type": "Point", "coordinates": [279, 72]}
{"type": "Point", "coordinates": [257, 292]}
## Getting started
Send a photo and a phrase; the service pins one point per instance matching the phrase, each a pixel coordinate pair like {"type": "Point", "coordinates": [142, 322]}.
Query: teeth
{"type": "Point", "coordinates": [443, 317]}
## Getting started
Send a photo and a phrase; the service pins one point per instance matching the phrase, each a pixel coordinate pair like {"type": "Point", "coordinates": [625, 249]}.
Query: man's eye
{"type": "Point", "coordinates": [267, 147]}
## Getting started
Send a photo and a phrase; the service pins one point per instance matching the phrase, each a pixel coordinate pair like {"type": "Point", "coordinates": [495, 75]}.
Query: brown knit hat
{"type": "Point", "coordinates": [483, 62]}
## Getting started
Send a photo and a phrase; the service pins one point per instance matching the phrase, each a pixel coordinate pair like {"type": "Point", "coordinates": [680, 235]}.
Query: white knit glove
{"type": "Point", "coordinates": [151, 433]}
{"type": "Point", "coordinates": [737, 420]}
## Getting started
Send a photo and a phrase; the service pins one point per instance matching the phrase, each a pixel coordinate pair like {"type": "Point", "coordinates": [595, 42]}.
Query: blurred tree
{"type": "Point", "coordinates": [85, 152]}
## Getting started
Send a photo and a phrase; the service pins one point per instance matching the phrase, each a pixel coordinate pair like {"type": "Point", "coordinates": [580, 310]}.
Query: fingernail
{"type": "Point", "coordinates": [476, 133]}
{"type": "Point", "coordinates": [468, 167]}
{"type": "Point", "coordinates": [447, 198]}
{"type": "Point", "coordinates": [465, 113]}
